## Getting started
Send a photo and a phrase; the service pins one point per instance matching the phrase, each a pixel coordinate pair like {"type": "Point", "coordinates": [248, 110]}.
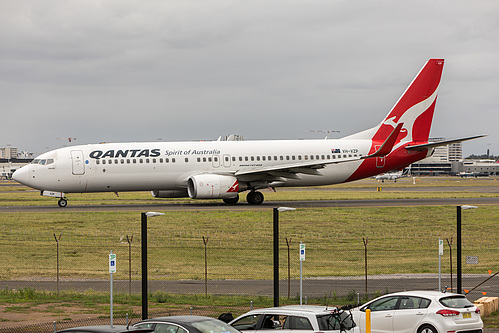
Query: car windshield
{"type": "Point", "coordinates": [336, 321]}
{"type": "Point", "coordinates": [214, 326]}
{"type": "Point", "coordinates": [456, 302]}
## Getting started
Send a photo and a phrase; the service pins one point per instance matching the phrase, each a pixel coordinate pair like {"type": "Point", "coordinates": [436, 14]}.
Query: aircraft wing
{"type": "Point", "coordinates": [310, 167]}
{"type": "Point", "coordinates": [430, 145]}
{"type": "Point", "coordinates": [307, 167]}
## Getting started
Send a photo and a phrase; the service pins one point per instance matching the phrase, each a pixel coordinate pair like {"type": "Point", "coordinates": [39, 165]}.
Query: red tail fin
{"type": "Point", "coordinates": [415, 107]}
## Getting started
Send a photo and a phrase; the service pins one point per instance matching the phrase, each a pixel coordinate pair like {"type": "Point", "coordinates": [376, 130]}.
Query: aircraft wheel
{"type": "Point", "coordinates": [255, 198]}
{"type": "Point", "coordinates": [62, 202]}
{"type": "Point", "coordinates": [232, 201]}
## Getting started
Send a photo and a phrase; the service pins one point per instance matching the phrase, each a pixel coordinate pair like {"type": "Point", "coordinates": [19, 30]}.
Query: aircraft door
{"type": "Point", "coordinates": [78, 165]}
{"type": "Point", "coordinates": [216, 161]}
{"type": "Point", "coordinates": [227, 161]}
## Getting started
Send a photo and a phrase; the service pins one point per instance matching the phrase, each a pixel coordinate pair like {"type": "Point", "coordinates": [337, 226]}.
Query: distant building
{"type": "Point", "coordinates": [8, 152]}
{"type": "Point", "coordinates": [448, 160]}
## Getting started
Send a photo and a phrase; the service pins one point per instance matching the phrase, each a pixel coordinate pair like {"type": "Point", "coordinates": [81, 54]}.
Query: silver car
{"type": "Point", "coordinates": [420, 312]}
{"type": "Point", "coordinates": [296, 319]}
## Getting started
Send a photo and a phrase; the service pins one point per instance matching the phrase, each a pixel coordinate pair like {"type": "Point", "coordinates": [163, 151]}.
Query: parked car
{"type": "Point", "coordinates": [420, 312]}
{"type": "Point", "coordinates": [296, 319]}
{"type": "Point", "coordinates": [105, 329]}
{"type": "Point", "coordinates": [186, 324]}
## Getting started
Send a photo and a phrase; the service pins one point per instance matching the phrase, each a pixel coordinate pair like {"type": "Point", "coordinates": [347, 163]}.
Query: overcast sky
{"type": "Point", "coordinates": [175, 70]}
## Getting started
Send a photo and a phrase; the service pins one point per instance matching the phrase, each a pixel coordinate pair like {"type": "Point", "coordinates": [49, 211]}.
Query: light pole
{"type": "Point", "coordinates": [276, 251]}
{"type": "Point", "coordinates": [143, 231]}
{"type": "Point", "coordinates": [458, 231]}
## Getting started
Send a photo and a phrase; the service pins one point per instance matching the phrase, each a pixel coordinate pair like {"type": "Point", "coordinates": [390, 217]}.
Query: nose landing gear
{"type": "Point", "coordinates": [62, 202]}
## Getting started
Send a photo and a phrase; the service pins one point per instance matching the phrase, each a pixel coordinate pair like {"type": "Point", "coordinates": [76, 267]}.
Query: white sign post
{"type": "Point", "coordinates": [440, 254]}
{"type": "Point", "coordinates": [112, 269]}
{"type": "Point", "coordinates": [302, 259]}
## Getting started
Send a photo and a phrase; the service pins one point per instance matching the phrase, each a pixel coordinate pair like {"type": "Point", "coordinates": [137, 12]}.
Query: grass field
{"type": "Point", "coordinates": [239, 239]}
{"type": "Point", "coordinates": [401, 240]}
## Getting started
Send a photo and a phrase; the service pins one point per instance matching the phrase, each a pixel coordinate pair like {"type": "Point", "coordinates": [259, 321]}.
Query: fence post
{"type": "Point", "coordinates": [205, 241]}
{"type": "Point", "coordinates": [450, 255]}
{"type": "Point", "coordinates": [365, 240]}
{"type": "Point", "coordinates": [57, 241]}
{"type": "Point", "coordinates": [288, 243]}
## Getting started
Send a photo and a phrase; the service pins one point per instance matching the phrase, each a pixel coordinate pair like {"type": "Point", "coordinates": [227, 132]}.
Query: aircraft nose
{"type": "Point", "coordinates": [21, 175]}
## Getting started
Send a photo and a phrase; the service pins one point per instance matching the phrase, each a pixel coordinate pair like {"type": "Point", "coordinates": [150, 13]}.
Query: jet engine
{"type": "Point", "coordinates": [213, 186]}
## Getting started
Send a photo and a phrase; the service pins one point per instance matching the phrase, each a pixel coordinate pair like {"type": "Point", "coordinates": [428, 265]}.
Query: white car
{"type": "Point", "coordinates": [420, 312]}
{"type": "Point", "coordinates": [296, 319]}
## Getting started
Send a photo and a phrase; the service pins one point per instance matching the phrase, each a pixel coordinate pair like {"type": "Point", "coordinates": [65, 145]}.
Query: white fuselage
{"type": "Point", "coordinates": [154, 166]}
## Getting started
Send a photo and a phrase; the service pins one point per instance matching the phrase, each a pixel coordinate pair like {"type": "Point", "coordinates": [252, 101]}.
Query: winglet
{"type": "Point", "coordinates": [387, 146]}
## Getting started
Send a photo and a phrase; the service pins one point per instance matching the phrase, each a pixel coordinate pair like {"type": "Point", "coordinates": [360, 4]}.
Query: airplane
{"type": "Point", "coordinates": [223, 169]}
{"type": "Point", "coordinates": [391, 175]}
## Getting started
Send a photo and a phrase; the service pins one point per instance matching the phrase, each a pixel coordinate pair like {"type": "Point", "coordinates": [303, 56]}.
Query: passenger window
{"type": "Point", "coordinates": [168, 328]}
{"type": "Point", "coordinates": [199, 159]}
{"type": "Point", "coordinates": [167, 160]}
{"type": "Point", "coordinates": [386, 303]}
{"type": "Point", "coordinates": [298, 323]}
{"type": "Point", "coordinates": [273, 322]}
{"type": "Point", "coordinates": [247, 323]}
{"type": "Point", "coordinates": [103, 161]}
{"type": "Point", "coordinates": [409, 303]}
{"type": "Point", "coordinates": [186, 160]}
{"type": "Point", "coordinates": [116, 161]}
{"type": "Point", "coordinates": [173, 160]}
{"type": "Point", "coordinates": [204, 159]}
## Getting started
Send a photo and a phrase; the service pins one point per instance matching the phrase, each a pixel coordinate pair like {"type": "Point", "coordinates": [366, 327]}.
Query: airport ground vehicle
{"type": "Point", "coordinates": [420, 312]}
{"type": "Point", "coordinates": [105, 329]}
{"type": "Point", "coordinates": [186, 324]}
{"type": "Point", "coordinates": [296, 319]}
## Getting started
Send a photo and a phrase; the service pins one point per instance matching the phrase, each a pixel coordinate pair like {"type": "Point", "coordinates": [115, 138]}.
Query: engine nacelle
{"type": "Point", "coordinates": [212, 186]}
{"type": "Point", "coordinates": [170, 194]}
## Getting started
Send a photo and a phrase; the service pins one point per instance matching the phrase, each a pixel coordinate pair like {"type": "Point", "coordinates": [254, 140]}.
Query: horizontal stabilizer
{"type": "Point", "coordinates": [441, 143]}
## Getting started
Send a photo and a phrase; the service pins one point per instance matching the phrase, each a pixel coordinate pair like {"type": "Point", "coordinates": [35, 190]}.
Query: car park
{"type": "Point", "coordinates": [420, 312]}
{"type": "Point", "coordinates": [296, 319]}
{"type": "Point", "coordinates": [185, 324]}
{"type": "Point", "coordinates": [105, 329]}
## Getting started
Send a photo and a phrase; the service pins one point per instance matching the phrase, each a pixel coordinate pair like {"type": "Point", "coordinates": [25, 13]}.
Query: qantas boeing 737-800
{"type": "Point", "coordinates": [222, 169]}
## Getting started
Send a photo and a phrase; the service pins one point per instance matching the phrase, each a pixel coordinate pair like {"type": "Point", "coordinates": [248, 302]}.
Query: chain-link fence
{"type": "Point", "coordinates": [210, 262]}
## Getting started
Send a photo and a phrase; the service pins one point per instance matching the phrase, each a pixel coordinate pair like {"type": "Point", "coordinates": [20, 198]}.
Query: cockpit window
{"type": "Point", "coordinates": [43, 161]}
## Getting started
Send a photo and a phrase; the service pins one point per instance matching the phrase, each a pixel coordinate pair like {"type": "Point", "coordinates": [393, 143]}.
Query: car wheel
{"type": "Point", "coordinates": [427, 329]}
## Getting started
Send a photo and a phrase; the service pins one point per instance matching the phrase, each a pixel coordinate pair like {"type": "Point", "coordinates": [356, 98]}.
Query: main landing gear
{"type": "Point", "coordinates": [255, 198]}
{"type": "Point", "coordinates": [62, 202]}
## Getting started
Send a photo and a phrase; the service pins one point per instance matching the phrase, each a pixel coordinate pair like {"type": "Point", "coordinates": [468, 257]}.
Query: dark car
{"type": "Point", "coordinates": [106, 329]}
{"type": "Point", "coordinates": [186, 324]}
